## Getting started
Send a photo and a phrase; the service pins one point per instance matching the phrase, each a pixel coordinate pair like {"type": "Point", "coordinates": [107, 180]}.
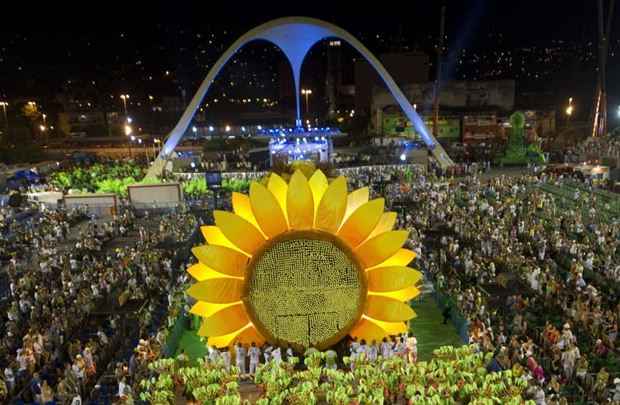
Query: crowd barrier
{"type": "Point", "coordinates": [158, 206]}
{"type": "Point", "coordinates": [346, 171]}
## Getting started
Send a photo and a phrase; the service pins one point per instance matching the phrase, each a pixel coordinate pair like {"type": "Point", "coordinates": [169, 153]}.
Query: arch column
{"type": "Point", "coordinates": [295, 36]}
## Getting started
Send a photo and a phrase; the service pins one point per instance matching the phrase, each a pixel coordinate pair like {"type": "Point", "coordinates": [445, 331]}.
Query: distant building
{"type": "Point", "coordinates": [469, 111]}
{"type": "Point", "coordinates": [341, 83]}
{"type": "Point", "coordinates": [88, 123]}
{"type": "Point", "coordinates": [405, 68]}
{"type": "Point", "coordinates": [170, 104]}
{"type": "Point", "coordinates": [454, 95]}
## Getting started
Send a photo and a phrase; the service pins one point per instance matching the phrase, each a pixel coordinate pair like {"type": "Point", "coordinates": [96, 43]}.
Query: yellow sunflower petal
{"type": "Point", "coordinates": [217, 290]}
{"type": "Point", "coordinates": [381, 247]}
{"type": "Point", "coordinates": [206, 309]}
{"type": "Point", "coordinates": [391, 328]}
{"type": "Point", "coordinates": [403, 295]}
{"type": "Point", "coordinates": [239, 231]}
{"type": "Point", "coordinates": [359, 224]}
{"type": "Point", "coordinates": [250, 335]}
{"type": "Point", "coordinates": [332, 207]}
{"type": "Point", "coordinates": [222, 259]}
{"type": "Point", "coordinates": [267, 211]}
{"type": "Point", "coordinates": [299, 202]}
{"type": "Point", "coordinates": [368, 330]}
{"type": "Point", "coordinates": [242, 207]}
{"type": "Point", "coordinates": [355, 200]}
{"type": "Point", "coordinates": [318, 184]}
{"type": "Point", "coordinates": [386, 279]}
{"type": "Point", "coordinates": [387, 309]}
{"type": "Point", "coordinates": [386, 223]}
{"type": "Point", "coordinates": [201, 272]}
{"type": "Point", "coordinates": [214, 236]}
{"type": "Point", "coordinates": [278, 188]}
{"type": "Point", "coordinates": [245, 335]}
{"type": "Point", "coordinates": [225, 321]}
{"type": "Point", "coordinates": [401, 258]}
{"type": "Point", "coordinates": [222, 341]}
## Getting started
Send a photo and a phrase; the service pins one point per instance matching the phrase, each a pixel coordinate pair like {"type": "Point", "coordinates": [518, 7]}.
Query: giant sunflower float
{"type": "Point", "coordinates": [302, 263]}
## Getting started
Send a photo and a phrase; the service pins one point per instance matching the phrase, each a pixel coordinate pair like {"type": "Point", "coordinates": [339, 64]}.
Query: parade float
{"type": "Point", "coordinates": [303, 263]}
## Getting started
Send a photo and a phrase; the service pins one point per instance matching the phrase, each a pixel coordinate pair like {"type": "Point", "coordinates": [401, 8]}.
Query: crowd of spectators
{"type": "Point", "coordinates": [235, 160]}
{"type": "Point", "coordinates": [538, 285]}
{"type": "Point", "coordinates": [600, 147]}
{"type": "Point", "coordinates": [67, 277]}
{"type": "Point", "coordinates": [536, 280]}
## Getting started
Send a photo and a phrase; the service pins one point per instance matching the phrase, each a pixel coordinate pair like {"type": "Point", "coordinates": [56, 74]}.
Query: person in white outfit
{"type": "Point", "coordinates": [276, 354]}
{"type": "Point", "coordinates": [226, 358]}
{"type": "Point", "coordinates": [214, 355]}
{"type": "Point", "coordinates": [254, 354]}
{"type": "Point", "coordinates": [616, 390]}
{"type": "Point", "coordinates": [386, 349]}
{"type": "Point", "coordinates": [373, 351]}
{"type": "Point", "coordinates": [240, 358]}
{"type": "Point", "coordinates": [267, 354]}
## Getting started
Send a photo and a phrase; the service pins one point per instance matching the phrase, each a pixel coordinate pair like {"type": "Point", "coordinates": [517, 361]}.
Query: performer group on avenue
{"type": "Point", "coordinates": [247, 358]}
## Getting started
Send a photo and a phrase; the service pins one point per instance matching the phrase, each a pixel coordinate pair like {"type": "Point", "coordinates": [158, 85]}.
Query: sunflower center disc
{"type": "Point", "coordinates": [305, 291]}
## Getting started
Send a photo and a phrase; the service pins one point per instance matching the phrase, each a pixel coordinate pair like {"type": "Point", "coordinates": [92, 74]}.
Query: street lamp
{"type": "Point", "coordinates": [306, 92]}
{"type": "Point", "coordinates": [4, 105]}
{"type": "Point", "coordinates": [128, 131]}
{"type": "Point", "coordinates": [156, 143]}
{"type": "Point", "coordinates": [125, 97]}
{"type": "Point", "coordinates": [570, 108]}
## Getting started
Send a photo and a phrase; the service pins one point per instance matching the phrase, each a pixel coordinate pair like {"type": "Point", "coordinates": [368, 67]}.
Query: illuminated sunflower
{"type": "Point", "coordinates": [303, 263]}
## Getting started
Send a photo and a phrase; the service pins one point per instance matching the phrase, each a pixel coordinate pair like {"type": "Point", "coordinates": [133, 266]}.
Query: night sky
{"type": "Point", "coordinates": [42, 46]}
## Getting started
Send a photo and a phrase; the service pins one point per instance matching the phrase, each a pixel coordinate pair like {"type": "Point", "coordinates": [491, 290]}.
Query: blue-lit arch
{"type": "Point", "coordinates": [295, 36]}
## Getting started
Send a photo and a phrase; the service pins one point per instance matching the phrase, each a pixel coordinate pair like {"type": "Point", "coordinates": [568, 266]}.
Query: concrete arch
{"type": "Point", "coordinates": [295, 36]}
